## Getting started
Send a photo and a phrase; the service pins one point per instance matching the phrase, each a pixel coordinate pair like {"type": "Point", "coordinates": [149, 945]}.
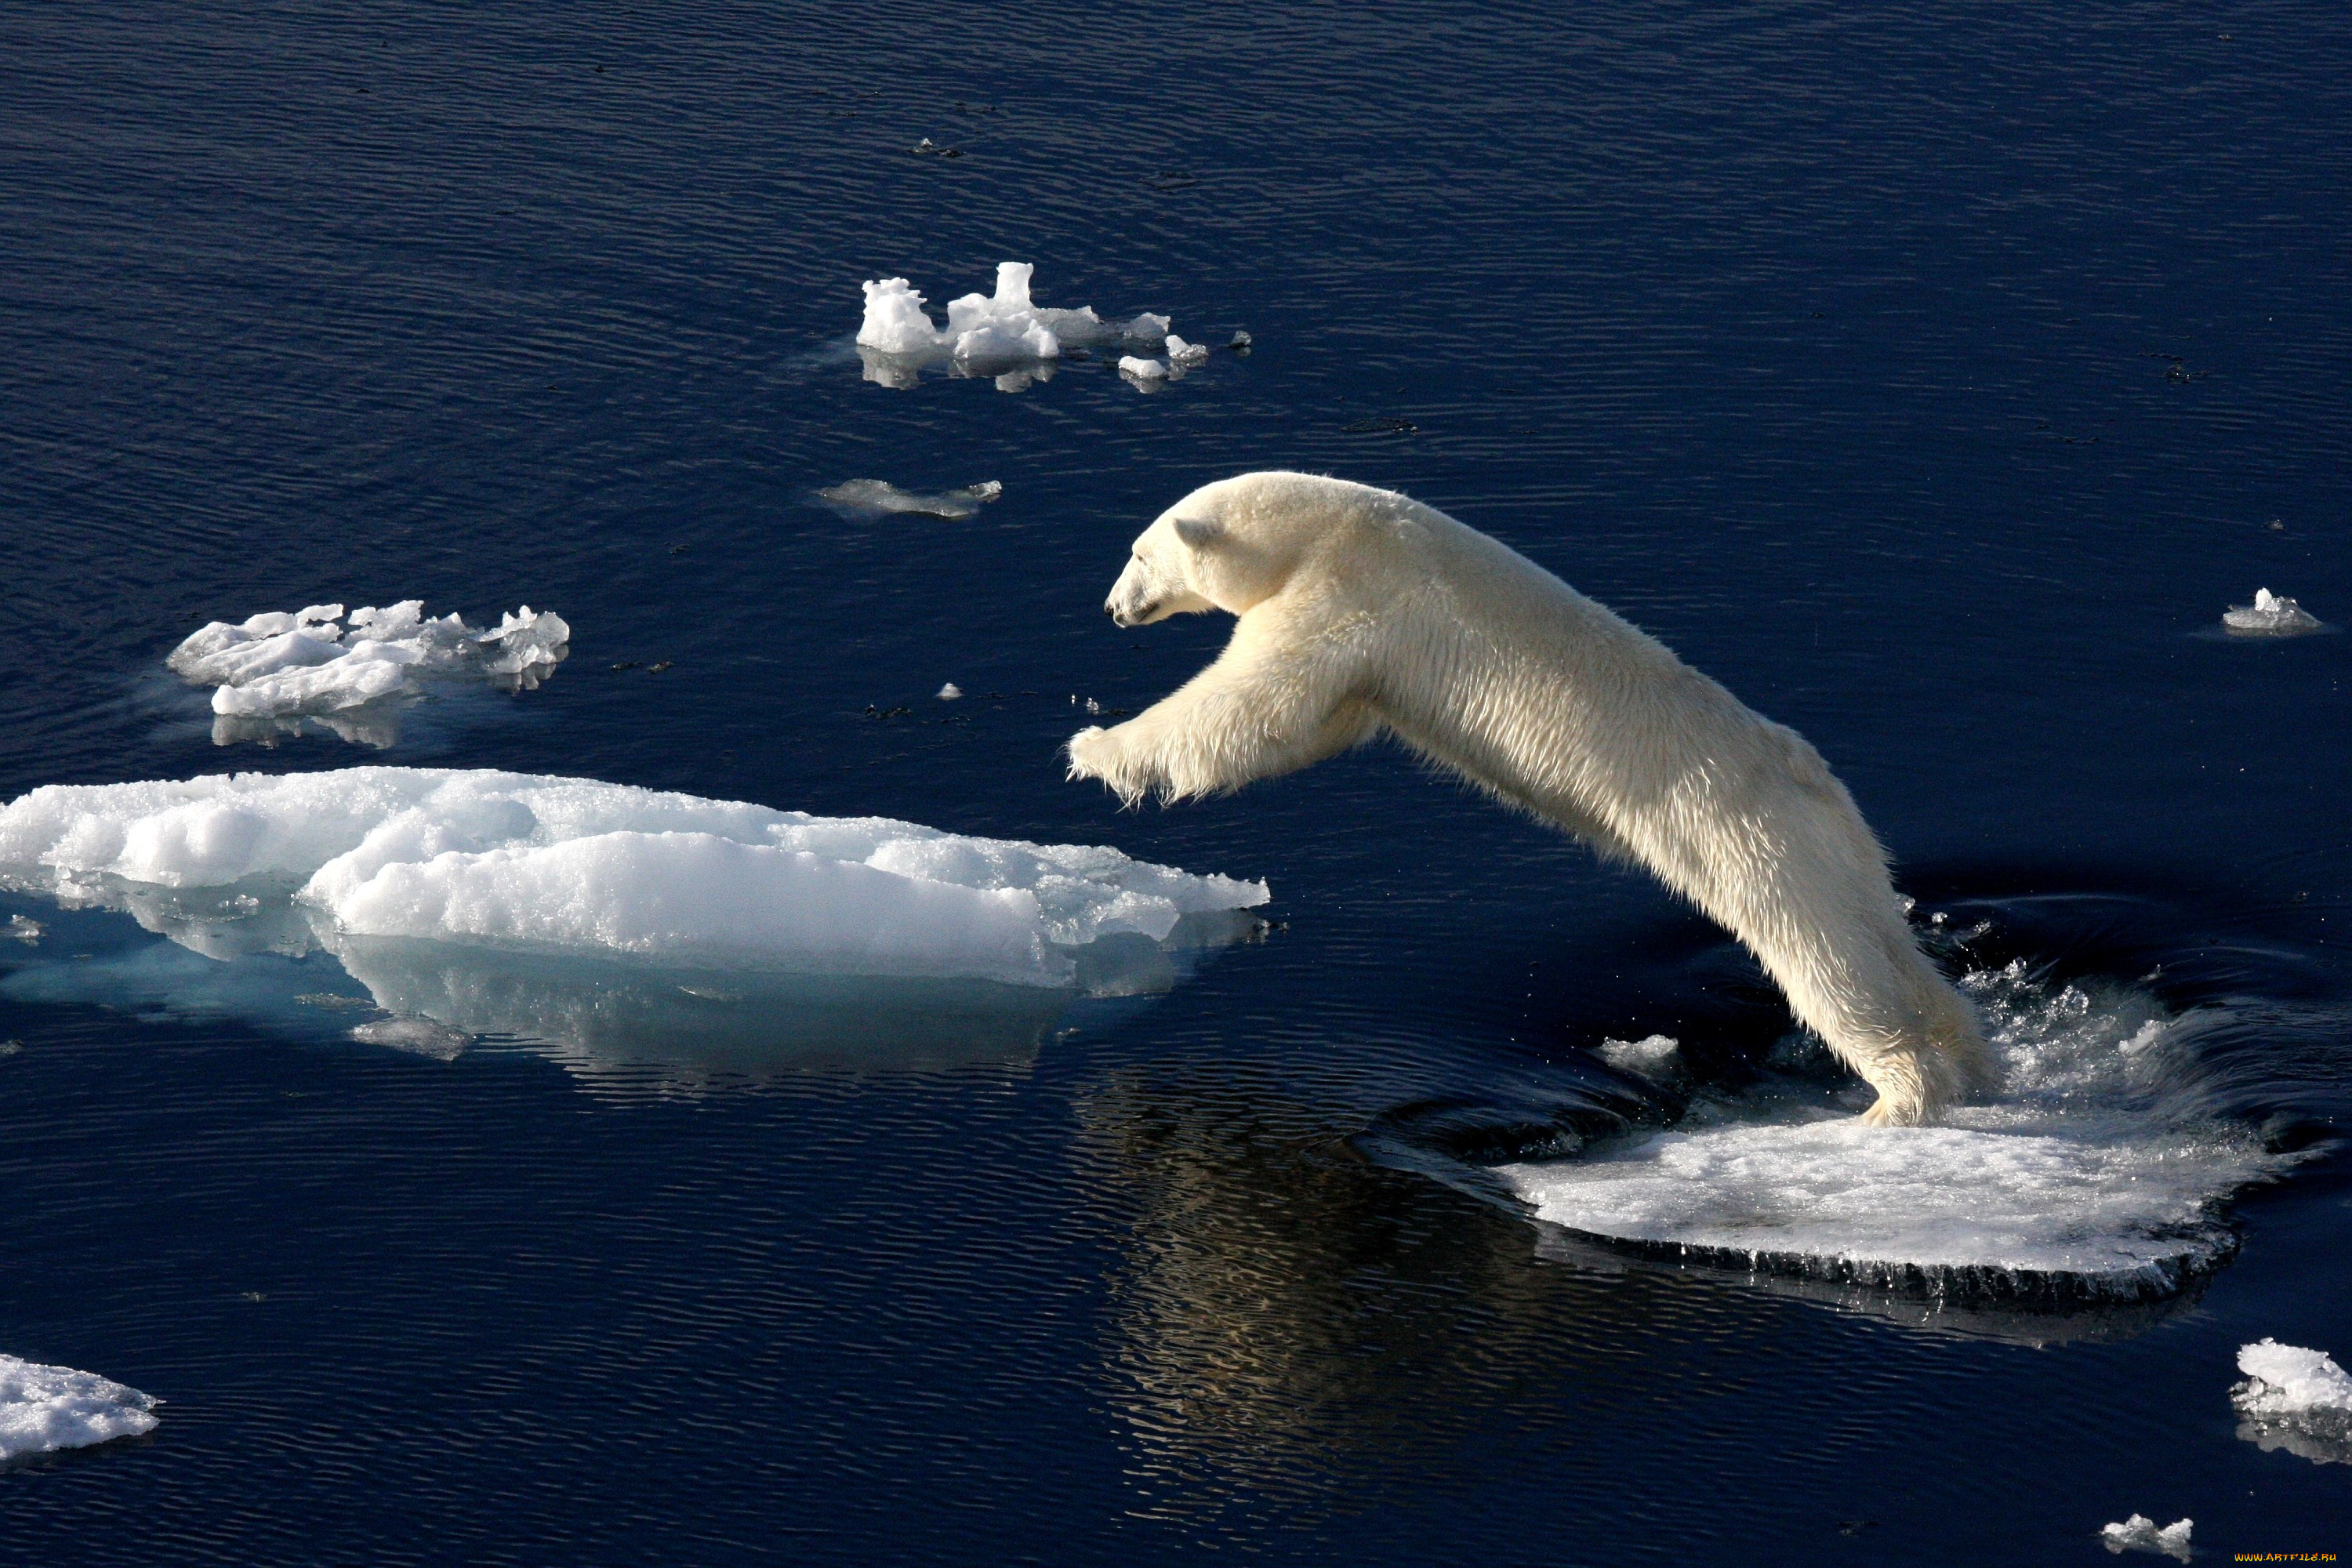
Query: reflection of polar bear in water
{"type": "Point", "coordinates": [1362, 610]}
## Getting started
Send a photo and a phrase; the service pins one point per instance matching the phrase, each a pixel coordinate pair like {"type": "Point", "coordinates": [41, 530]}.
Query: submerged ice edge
{"type": "Point", "coordinates": [46, 1408]}
{"type": "Point", "coordinates": [545, 863]}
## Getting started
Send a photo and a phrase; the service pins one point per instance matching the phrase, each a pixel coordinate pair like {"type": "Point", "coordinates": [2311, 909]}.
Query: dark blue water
{"type": "Point", "coordinates": [1930, 377]}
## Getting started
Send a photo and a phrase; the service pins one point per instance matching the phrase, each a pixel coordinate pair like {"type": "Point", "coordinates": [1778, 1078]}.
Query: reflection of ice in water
{"type": "Point", "coordinates": [45, 1409]}
{"type": "Point", "coordinates": [2296, 1399]}
{"type": "Point", "coordinates": [273, 673]}
{"type": "Point", "coordinates": [2080, 1171]}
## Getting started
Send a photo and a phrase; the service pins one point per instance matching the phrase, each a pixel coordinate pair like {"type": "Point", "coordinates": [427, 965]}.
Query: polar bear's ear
{"type": "Point", "coordinates": [1200, 532]}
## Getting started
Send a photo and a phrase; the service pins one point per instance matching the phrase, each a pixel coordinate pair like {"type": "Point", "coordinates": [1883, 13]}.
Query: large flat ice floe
{"type": "Point", "coordinates": [45, 1409]}
{"type": "Point", "coordinates": [1007, 334]}
{"type": "Point", "coordinates": [274, 669]}
{"type": "Point", "coordinates": [2075, 1184]}
{"type": "Point", "coordinates": [539, 864]}
{"type": "Point", "coordinates": [2295, 1399]}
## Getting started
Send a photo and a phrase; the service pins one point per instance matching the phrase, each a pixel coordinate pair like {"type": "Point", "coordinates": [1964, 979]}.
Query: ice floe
{"type": "Point", "coordinates": [881, 498]}
{"type": "Point", "coordinates": [1007, 334]}
{"type": "Point", "coordinates": [271, 671]}
{"type": "Point", "coordinates": [2139, 1533]}
{"type": "Point", "coordinates": [2269, 615]}
{"type": "Point", "coordinates": [1144, 369]}
{"type": "Point", "coordinates": [43, 1408]}
{"type": "Point", "coordinates": [2077, 1185]}
{"type": "Point", "coordinates": [2295, 1399]}
{"type": "Point", "coordinates": [535, 863]}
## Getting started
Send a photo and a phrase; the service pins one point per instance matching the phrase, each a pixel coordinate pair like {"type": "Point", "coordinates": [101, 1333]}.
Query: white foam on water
{"type": "Point", "coordinates": [2270, 614]}
{"type": "Point", "coordinates": [2077, 1171]}
{"type": "Point", "coordinates": [285, 663]}
{"type": "Point", "coordinates": [1007, 328]}
{"type": "Point", "coordinates": [45, 1409]}
{"type": "Point", "coordinates": [2139, 1533]}
{"type": "Point", "coordinates": [551, 864]}
{"type": "Point", "coordinates": [881, 498]}
{"type": "Point", "coordinates": [2295, 1399]}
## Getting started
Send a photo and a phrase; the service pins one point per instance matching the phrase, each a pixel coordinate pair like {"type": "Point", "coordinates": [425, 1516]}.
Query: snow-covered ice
{"type": "Point", "coordinates": [2139, 1533]}
{"type": "Point", "coordinates": [882, 497]}
{"type": "Point", "coordinates": [549, 864]}
{"type": "Point", "coordinates": [986, 333]}
{"type": "Point", "coordinates": [1144, 369]}
{"type": "Point", "coordinates": [43, 1408]}
{"type": "Point", "coordinates": [2296, 1399]}
{"type": "Point", "coordinates": [283, 666]}
{"type": "Point", "coordinates": [2077, 1171]}
{"type": "Point", "coordinates": [2269, 615]}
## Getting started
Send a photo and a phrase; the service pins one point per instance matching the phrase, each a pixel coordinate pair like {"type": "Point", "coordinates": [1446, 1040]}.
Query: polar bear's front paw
{"type": "Point", "coordinates": [1096, 754]}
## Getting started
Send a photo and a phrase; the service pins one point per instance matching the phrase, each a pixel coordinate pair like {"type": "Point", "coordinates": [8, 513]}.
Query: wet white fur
{"type": "Point", "coordinates": [1362, 610]}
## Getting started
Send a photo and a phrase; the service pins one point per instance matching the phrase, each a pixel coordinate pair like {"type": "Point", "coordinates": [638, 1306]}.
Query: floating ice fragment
{"type": "Point", "coordinates": [1006, 329]}
{"type": "Point", "coordinates": [280, 667]}
{"type": "Point", "coordinates": [2287, 1380]}
{"type": "Point", "coordinates": [2295, 1399]}
{"type": "Point", "coordinates": [2269, 615]}
{"type": "Point", "coordinates": [43, 1408]}
{"type": "Point", "coordinates": [421, 1036]}
{"type": "Point", "coordinates": [538, 863]}
{"type": "Point", "coordinates": [1143, 368]}
{"type": "Point", "coordinates": [2139, 1533]}
{"type": "Point", "coordinates": [880, 497]}
{"type": "Point", "coordinates": [2071, 1187]}
{"type": "Point", "coordinates": [23, 928]}
{"type": "Point", "coordinates": [1184, 356]}
{"type": "Point", "coordinates": [1240, 342]}
{"type": "Point", "coordinates": [951, 692]}
{"type": "Point", "coordinates": [1657, 1057]}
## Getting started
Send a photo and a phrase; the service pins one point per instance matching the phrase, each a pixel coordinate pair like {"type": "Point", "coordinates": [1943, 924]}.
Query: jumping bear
{"type": "Point", "coordinates": [1362, 610]}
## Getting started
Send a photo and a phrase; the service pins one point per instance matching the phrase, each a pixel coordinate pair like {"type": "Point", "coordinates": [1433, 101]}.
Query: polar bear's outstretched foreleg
{"type": "Point", "coordinates": [1253, 714]}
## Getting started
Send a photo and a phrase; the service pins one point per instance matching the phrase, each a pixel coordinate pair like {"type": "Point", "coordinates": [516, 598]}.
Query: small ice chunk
{"type": "Point", "coordinates": [896, 321]}
{"type": "Point", "coordinates": [1006, 332]}
{"type": "Point", "coordinates": [1657, 1057]}
{"type": "Point", "coordinates": [415, 1034]}
{"type": "Point", "coordinates": [2269, 614]}
{"type": "Point", "coordinates": [1239, 342]}
{"type": "Point", "coordinates": [43, 1408]}
{"type": "Point", "coordinates": [316, 663]}
{"type": "Point", "coordinates": [23, 928]}
{"type": "Point", "coordinates": [881, 497]}
{"type": "Point", "coordinates": [2287, 1380]}
{"type": "Point", "coordinates": [1143, 368]}
{"type": "Point", "coordinates": [951, 692]}
{"type": "Point", "coordinates": [2139, 1533]}
{"type": "Point", "coordinates": [1186, 355]}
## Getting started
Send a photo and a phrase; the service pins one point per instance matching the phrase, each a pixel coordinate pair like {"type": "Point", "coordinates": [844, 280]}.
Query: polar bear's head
{"type": "Point", "coordinates": [1235, 544]}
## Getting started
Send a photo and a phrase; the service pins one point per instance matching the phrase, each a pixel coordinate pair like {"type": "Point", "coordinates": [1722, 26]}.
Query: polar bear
{"type": "Point", "coordinates": [1362, 610]}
